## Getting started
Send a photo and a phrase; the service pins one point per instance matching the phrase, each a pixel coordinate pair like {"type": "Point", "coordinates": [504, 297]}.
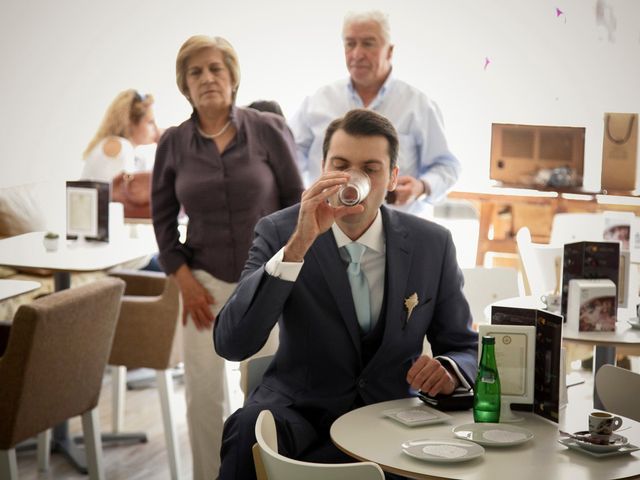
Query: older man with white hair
{"type": "Point", "coordinates": [427, 167]}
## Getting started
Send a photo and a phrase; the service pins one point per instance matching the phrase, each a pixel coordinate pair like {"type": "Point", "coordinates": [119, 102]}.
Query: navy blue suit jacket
{"type": "Point", "coordinates": [318, 364]}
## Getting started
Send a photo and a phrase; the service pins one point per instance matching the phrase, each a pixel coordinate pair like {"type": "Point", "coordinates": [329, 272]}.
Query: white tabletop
{"type": "Point", "coordinates": [366, 434]}
{"type": "Point", "coordinates": [27, 250]}
{"type": "Point", "coordinates": [11, 288]}
{"type": "Point", "coordinates": [624, 335]}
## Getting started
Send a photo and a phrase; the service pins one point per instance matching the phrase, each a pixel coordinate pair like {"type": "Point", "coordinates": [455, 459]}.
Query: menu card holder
{"type": "Point", "coordinates": [88, 210]}
{"type": "Point", "coordinates": [547, 381]}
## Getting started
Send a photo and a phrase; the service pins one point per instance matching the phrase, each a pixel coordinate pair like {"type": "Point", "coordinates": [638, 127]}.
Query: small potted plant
{"type": "Point", "coordinates": [50, 241]}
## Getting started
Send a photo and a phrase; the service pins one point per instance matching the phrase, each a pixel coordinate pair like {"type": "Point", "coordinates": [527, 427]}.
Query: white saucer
{"type": "Point", "coordinates": [573, 445]}
{"type": "Point", "coordinates": [615, 443]}
{"type": "Point", "coordinates": [442, 450]}
{"type": "Point", "coordinates": [634, 322]}
{"type": "Point", "coordinates": [493, 434]}
{"type": "Point", "coordinates": [416, 416]}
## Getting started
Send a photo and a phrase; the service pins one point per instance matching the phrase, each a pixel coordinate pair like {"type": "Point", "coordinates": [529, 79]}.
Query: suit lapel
{"type": "Point", "coordinates": [398, 263]}
{"type": "Point", "coordinates": [332, 267]}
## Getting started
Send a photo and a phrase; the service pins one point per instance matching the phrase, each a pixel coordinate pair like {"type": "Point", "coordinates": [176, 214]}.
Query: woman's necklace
{"type": "Point", "coordinates": [217, 134]}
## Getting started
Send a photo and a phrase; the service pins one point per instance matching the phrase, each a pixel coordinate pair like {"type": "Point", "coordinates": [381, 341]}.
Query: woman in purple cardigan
{"type": "Point", "coordinates": [226, 167]}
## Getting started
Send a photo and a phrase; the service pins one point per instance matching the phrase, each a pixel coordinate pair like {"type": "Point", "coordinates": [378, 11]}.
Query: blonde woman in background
{"type": "Point", "coordinates": [128, 122]}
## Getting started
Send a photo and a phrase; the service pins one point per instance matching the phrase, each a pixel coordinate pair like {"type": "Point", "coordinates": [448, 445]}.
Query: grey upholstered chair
{"type": "Point", "coordinates": [147, 336]}
{"type": "Point", "coordinates": [53, 366]}
{"type": "Point", "coordinates": [619, 390]}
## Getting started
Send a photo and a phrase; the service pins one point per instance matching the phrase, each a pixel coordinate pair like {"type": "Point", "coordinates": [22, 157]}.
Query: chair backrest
{"type": "Point", "coordinates": [576, 227]}
{"type": "Point", "coordinates": [253, 371]}
{"type": "Point", "coordinates": [541, 264]}
{"type": "Point", "coordinates": [619, 390]}
{"type": "Point", "coordinates": [148, 325]}
{"type": "Point", "coordinates": [55, 359]}
{"type": "Point", "coordinates": [279, 467]}
{"type": "Point", "coordinates": [483, 286]}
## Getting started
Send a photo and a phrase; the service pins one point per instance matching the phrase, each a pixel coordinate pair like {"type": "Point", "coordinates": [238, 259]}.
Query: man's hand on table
{"type": "Point", "coordinates": [431, 377]}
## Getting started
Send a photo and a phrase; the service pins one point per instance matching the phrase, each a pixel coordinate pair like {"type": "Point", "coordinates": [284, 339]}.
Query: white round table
{"type": "Point", "coordinates": [366, 434]}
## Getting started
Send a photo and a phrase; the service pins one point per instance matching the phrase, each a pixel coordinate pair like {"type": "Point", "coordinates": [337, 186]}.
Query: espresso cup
{"type": "Point", "coordinates": [551, 301]}
{"type": "Point", "coordinates": [50, 243]}
{"type": "Point", "coordinates": [603, 424]}
{"type": "Point", "coordinates": [355, 190]}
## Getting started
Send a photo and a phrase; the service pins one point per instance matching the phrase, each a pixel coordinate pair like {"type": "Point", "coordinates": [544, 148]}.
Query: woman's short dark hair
{"type": "Point", "coordinates": [267, 106]}
{"type": "Point", "coordinates": [364, 123]}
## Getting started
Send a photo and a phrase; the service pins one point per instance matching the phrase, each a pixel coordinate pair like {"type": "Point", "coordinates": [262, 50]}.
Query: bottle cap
{"type": "Point", "coordinates": [488, 340]}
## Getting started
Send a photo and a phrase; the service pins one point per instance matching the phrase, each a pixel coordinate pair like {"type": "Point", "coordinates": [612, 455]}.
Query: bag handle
{"type": "Point", "coordinates": [627, 135]}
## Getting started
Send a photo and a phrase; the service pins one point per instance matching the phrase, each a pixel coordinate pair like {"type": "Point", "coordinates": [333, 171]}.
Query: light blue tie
{"type": "Point", "coordinates": [359, 285]}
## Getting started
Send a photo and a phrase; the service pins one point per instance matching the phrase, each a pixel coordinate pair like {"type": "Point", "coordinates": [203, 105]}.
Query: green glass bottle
{"type": "Point", "coordinates": [486, 398]}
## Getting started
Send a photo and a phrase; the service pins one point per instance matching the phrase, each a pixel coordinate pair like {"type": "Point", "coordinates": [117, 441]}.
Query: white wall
{"type": "Point", "coordinates": [63, 61]}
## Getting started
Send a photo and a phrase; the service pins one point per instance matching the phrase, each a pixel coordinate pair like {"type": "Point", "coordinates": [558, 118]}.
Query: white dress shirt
{"type": "Point", "coordinates": [372, 263]}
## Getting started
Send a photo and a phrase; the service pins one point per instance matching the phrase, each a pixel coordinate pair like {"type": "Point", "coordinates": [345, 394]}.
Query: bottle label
{"type": "Point", "coordinates": [488, 378]}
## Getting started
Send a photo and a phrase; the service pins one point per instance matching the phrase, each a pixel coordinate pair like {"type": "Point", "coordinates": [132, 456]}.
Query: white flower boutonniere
{"type": "Point", "coordinates": [410, 303]}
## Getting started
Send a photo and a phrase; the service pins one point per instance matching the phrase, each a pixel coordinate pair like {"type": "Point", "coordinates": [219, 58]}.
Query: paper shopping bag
{"type": "Point", "coordinates": [619, 151]}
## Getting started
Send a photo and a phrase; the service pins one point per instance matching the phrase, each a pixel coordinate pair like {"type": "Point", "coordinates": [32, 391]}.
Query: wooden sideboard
{"type": "Point", "coordinates": [503, 211]}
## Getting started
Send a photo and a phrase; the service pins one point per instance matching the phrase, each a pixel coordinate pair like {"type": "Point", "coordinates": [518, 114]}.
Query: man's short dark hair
{"type": "Point", "coordinates": [364, 123]}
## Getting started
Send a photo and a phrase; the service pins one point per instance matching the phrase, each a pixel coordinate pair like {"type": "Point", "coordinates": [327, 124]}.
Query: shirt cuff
{"type": "Point", "coordinates": [288, 271]}
{"type": "Point", "coordinates": [456, 370]}
{"type": "Point", "coordinates": [425, 186]}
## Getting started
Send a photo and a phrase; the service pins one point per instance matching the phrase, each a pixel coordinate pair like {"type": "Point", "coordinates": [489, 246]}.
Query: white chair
{"type": "Point", "coordinates": [484, 286]}
{"type": "Point", "coordinates": [619, 390]}
{"type": "Point", "coordinates": [252, 371]}
{"type": "Point", "coordinates": [541, 264]}
{"type": "Point", "coordinates": [270, 465]}
{"type": "Point", "coordinates": [576, 227]}
{"type": "Point", "coordinates": [461, 218]}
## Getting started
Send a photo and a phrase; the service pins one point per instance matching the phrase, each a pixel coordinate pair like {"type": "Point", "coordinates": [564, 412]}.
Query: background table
{"type": "Point", "coordinates": [366, 434]}
{"type": "Point", "coordinates": [27, 251]}
{"type": "Point", "coordinates": [11, 288]}
{"type": "Point", "coordinates": [507, 209]}
{"type": "Point", "coordinates": [605, 344]}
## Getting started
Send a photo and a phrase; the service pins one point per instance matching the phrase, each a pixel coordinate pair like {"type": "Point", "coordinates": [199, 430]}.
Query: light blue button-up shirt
{"type": "Point", "coordinates": [424, 152]}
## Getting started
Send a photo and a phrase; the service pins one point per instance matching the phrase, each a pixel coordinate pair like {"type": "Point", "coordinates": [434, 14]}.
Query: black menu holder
{"type": "Point", "coordinates": [88, 210]}
{"type": "Point", "coordinates": [547, 379]}
{"type": "Point", "coordinates": [590, 260]}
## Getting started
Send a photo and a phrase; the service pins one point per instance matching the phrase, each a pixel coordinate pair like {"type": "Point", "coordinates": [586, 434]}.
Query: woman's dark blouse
{"type": "Point", "coordinates": [224, 195]}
